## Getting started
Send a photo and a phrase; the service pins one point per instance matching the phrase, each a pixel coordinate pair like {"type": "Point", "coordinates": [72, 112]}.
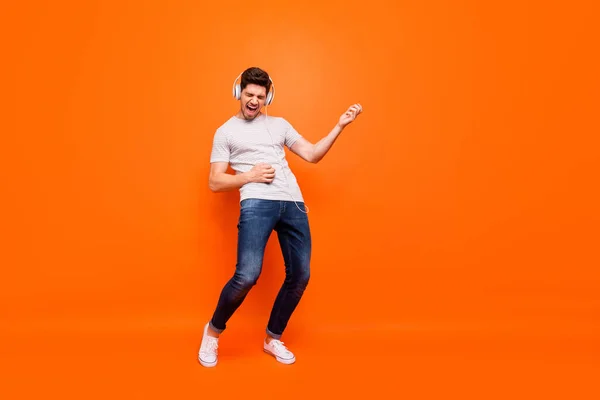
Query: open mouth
{"type": "Point", "coordinates": [252, 108]}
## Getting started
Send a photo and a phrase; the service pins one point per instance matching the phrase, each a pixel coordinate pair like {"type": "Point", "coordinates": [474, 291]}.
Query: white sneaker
{"type": "Point", "coordinates": [279, 351]}
{"type": "Point", "coordinates": [207, 355]}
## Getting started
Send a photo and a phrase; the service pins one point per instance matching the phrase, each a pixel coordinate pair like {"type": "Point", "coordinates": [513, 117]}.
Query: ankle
{"type": "Point", "coordinates": [269, 338]}
{"type": "Point", "coordinates": [212, 333]}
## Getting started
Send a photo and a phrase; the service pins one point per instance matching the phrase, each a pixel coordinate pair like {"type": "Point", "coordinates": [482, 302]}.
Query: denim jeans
{"type": "Point", "coordinates": [258, 218]}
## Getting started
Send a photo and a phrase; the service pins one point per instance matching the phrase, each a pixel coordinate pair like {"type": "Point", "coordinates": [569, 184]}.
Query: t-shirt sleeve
{"type": "Point", "coordinates": [220, 148]}
{"type": "Point", "coordinates": [291, 135]}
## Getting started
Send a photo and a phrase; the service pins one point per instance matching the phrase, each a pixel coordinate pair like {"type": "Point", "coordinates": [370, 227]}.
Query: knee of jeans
{"type": "Point", "coordinates": [246, 280]}
{"type": "Point", "coordinates": [303, 277]}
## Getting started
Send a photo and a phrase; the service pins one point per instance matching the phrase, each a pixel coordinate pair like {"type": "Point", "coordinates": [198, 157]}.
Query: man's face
{"type": "Point", "coordinates": [252, 99]}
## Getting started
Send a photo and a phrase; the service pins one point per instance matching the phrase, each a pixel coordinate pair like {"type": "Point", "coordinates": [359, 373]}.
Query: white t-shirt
{"type": "Point", "coordinates": [244, 144]}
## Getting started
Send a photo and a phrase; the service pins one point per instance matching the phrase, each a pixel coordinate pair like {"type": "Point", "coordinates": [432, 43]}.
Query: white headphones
{"type": "Point", "coordinates": [237, 90]}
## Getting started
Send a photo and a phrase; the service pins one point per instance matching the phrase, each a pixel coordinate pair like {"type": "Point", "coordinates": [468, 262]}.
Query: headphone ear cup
{"type": "Point", "coordinates": [269, 98]}
{"type": "Point", "coordinates": [237, 91]}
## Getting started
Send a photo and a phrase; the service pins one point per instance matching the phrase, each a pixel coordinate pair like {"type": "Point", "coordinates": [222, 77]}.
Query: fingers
{"type": "Point", "coordinates": [268, 178]}
{"type": "Point", "coordinates": [354, 110]}
{"type": "Point", "coordinates": [268, 174]}
{"type": "Point", "coordinates": [263, 172]}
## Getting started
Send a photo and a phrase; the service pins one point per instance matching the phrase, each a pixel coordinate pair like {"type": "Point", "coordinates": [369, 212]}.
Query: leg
{"type": "Point", "coordinates": [294, 236]}
{"type": "Point", "coordinates": [257, 221]}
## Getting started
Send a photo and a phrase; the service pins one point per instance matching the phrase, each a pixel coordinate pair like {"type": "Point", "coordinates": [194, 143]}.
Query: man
{"type": "Point", "coordinates": [270, 200]}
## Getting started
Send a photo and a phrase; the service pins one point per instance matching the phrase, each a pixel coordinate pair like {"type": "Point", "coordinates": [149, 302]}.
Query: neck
{"type": "Point", "coordinates": [240, 115]}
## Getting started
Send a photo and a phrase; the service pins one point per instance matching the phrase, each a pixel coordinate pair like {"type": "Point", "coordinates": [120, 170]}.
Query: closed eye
{"type": "Point", "coordinates": [249, 95]}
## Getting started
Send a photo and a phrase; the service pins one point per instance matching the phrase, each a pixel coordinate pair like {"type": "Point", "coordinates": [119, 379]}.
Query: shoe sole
{"type": "Point", "coordinates": [207, 364]}
{"type": "Point", "coordinates": [281, 360]}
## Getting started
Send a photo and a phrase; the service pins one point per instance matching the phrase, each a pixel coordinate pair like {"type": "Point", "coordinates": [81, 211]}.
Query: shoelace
{"type": "Point", "coordinates": [278, 345]}
{"type": "Point", "coordinates": [211, 346]}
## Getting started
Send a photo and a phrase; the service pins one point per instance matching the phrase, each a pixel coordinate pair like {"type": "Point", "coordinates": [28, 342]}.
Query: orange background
{"type": "Point", "coordinates": [455, 223]}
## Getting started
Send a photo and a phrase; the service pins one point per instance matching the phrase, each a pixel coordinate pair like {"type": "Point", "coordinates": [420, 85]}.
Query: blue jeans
{"type": "Point", "coordinates": [258, 218]}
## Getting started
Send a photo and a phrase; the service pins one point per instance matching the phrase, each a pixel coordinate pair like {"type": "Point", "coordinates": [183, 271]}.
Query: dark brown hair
{"type": "Point", "coordinates": [256, 76]}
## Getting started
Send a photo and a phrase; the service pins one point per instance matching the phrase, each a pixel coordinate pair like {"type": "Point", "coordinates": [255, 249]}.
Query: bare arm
{"type": "Point", "coordinates": [220, 181]}
{"type": "Point", "coordinates": [315, 152]}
